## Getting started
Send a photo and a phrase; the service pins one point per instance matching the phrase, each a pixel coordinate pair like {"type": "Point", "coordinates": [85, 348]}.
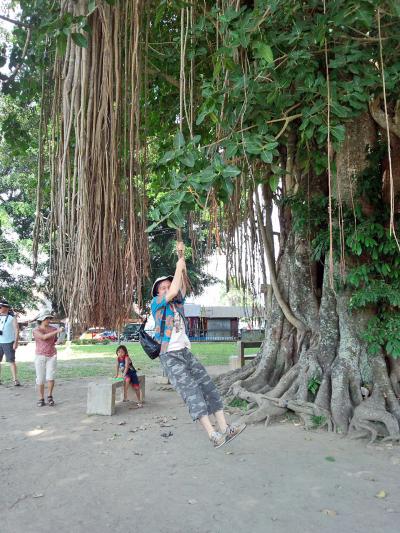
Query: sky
{"type": "Point", "coordinates": [217, 268]}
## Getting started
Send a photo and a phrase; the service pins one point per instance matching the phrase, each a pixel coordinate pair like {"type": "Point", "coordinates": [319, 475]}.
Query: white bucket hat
{"type": "Point", "coordinates": [159, 280]}
{"type": "Point", "coordinates": [44, 314]}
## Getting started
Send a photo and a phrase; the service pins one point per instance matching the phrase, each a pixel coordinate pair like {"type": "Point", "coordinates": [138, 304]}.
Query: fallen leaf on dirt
{"type": "Point", "coordinates": [122, 423]}
{"type": "Point", "coordinates": [192, 502]}
{"type": "Point", "coordinates": [37, 495]}
{"type": "Point", "coordinates": [97, 429]}
{"type": "Point", "coordinates": [330, 459]}
{"type": "Point", "coordinates": [137, 453]}
{"type": "Point", "coordinates": [166, 435]}
{"type": "Point", "coordinates": [329, 512]}
{"type": "Point", "coordinates": [381, 494]}
{"type": "Point", "coordinates": [228, 453]}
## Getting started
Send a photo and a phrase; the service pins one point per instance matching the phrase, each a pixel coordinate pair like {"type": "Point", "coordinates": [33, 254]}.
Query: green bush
{"type": "Point", "coordinates": [87, 342]}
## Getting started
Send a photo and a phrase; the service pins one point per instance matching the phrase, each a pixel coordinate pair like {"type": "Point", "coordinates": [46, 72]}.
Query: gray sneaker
{"type": "Point", "coordinates": [218, 439]}
{"type": "Point", "coordinates": [233, 430]}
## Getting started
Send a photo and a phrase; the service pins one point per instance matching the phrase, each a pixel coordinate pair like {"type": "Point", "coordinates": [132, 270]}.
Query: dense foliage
{"type": "Point", "coordinates": [270, 81]}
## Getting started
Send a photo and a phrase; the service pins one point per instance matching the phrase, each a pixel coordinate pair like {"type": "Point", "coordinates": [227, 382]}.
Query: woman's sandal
{"type": "Point", "coordinates": [16, 383]}
{"type": "Point", "coordinates": [50, 401]}
{"type": "Point", "coordinates": [41, 403]}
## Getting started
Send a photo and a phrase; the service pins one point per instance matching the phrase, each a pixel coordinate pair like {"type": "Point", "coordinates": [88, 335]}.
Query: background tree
{"type": "Point", "coordinates": [18, 161]}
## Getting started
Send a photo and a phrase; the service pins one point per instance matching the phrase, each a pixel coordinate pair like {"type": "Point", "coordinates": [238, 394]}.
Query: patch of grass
{"type": "Point", "coordinates": [79, 368]}
{"type": "Point", "coordinates": [26, 372]}
{"type": "Point", "coordinates": [318, 420]}
{"type": "Point", "coordinates": [96, 342]}
{"type": "Point", "coordinates": [209, 353]}
{"type": "Point", "coordinates": [238, 402]}
{"type": "Point", "coordinates": [91, 361]}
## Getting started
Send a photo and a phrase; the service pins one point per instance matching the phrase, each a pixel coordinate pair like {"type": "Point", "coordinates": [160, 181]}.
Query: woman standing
{"type": "Point", "coordinates": [46, 356]}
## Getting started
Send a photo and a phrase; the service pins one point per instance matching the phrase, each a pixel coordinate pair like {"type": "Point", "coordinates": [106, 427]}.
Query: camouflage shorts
{"type": "Point", "coordinates": [190, 379]}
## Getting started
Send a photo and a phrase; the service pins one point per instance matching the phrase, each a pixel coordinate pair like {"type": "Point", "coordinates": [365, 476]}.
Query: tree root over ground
{"type": "Point", "coordinates": [376, 415]}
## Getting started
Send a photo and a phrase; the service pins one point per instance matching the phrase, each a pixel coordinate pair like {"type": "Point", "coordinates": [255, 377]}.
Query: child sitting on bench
{"type": "Point", "coordinates": [128, 371]}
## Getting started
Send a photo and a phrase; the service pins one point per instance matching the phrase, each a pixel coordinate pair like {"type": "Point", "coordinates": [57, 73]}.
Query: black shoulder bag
{"type": "Point", "coordinates": [150, 345]}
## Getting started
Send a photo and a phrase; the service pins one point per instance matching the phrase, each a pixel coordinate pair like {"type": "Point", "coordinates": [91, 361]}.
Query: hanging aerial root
{"type": "Point", "coordinates": [98, 242]}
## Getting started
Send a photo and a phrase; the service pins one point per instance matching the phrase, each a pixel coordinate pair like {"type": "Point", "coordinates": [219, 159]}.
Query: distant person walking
{"type": "Point", "coordinates": [45, 356]}
{"type": "Point", "coordinates": [186, 374]}
{"type": "Point", "coordinates": [9, 332]}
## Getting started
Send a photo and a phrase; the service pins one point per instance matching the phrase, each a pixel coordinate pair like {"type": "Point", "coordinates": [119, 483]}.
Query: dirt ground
{"type": "Point", "coordinates": [63, 471]}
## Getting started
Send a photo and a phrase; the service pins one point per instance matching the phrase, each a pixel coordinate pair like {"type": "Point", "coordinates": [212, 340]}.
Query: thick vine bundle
{"type": "Point", "coordinates": [99, 254]}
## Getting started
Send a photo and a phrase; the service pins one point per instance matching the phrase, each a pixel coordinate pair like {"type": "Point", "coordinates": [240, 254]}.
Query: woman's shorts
{"type": "Point", "coordinates": [45, 368]}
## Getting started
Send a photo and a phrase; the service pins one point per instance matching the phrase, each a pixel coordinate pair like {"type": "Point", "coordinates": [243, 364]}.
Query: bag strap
{"type": "Point", "coordinates": [162, 328]}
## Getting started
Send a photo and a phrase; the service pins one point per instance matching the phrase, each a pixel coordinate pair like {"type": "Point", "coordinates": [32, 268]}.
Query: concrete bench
{"type": "Point", "coordinates": [101, 396]}
{"type": "Point", "coordinates": [242, 345]}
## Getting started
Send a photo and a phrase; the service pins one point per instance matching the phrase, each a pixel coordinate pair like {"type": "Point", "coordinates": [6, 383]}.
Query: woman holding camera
{"type": "Point", "coordinates": [45, 356]}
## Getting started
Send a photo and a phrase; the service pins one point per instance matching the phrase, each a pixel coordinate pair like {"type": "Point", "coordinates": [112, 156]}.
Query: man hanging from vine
{"type": "Point", "coordinates": [186, 374]}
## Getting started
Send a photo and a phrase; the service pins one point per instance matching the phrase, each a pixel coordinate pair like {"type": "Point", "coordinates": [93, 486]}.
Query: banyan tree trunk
{"type": "Point", "coordinates": [98, 241]}
{"type": "Point", "coordinates": [330, 352]}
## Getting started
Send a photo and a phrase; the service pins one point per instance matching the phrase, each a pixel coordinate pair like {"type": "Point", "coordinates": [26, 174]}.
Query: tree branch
{"type": "Point", "coordinates": [15, 22]}
{"type": "Point", "coordinates": [18, 67]}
